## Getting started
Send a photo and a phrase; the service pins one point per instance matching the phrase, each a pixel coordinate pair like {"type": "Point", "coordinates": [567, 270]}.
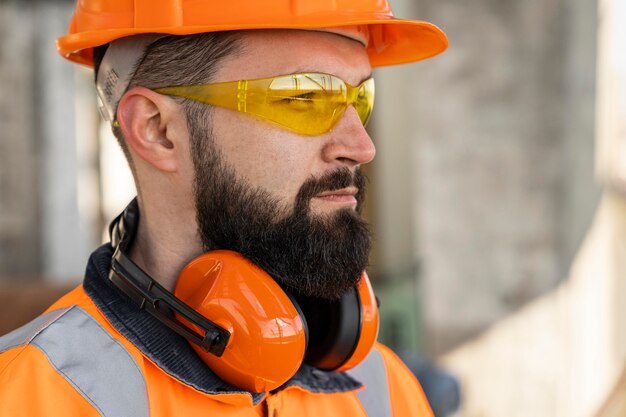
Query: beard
{"type": "Point", "coordinates": [320, 256]}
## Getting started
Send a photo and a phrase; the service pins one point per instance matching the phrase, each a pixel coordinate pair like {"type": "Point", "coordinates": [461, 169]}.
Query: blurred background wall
{"type": "Point", "coordinates": [480, 197]}
{"type": "Point", "coordinates": [48, 183]}
{"type": "Point", "coordinates": [486, 158]}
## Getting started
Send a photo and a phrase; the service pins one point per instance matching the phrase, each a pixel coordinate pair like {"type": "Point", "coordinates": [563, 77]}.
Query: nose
{"type": "Point", "coordinates": [349, 142]}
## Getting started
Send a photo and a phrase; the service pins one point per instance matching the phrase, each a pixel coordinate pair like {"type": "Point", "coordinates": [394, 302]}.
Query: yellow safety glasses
{"type": "Point", "coordinates": [308, 103]}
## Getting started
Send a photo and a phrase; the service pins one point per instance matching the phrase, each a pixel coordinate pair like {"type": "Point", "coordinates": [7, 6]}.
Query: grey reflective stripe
{"type": "Point", "coordinates": [26, 333]}
{"type": "Point", "coordinates": [373, 374]}
{"type": "Point", "coordinates": [94, 363]}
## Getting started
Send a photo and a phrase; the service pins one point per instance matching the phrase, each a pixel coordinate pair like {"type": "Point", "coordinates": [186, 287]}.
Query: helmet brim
{"type": "Point", "coordinates": [392, 41]}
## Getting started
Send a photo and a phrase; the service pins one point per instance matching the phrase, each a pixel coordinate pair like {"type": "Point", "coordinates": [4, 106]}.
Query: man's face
{"type": "Point", "coordinates": [289, 202]}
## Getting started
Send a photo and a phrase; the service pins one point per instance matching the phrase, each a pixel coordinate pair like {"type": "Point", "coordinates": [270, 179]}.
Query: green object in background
{"type": "Point", "coordinates": [401, 320]}
{"type": "Point", "coordinates": [402, 329]}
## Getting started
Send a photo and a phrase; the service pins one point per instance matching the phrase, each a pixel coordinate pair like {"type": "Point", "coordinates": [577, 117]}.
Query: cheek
{"type": "Point", "coordinates": [267, 156]}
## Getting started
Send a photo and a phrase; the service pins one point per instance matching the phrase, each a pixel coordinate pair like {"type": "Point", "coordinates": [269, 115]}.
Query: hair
{"type": "Point", "coordinates": [178, 60]}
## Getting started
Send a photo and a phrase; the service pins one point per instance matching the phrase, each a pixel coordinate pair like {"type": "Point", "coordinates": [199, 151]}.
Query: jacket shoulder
{"type": "Point", "coordinates": [67, 356]}
{"type": "Point", "coordinates": [29, 384]}
{"type": "Point", "coordinates": [27, 333]}
{"type": "Point", "coordinates": [391, 389]}
{"type": "Point", "coordinates": [407, 396]}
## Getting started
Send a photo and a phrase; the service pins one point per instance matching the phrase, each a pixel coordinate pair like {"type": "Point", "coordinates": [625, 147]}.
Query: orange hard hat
{"type": "Point", "coordinates": [391, 41]}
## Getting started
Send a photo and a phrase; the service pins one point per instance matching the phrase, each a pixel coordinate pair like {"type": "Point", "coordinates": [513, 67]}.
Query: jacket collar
{"type": "Point", "coordinates": [171, 352]}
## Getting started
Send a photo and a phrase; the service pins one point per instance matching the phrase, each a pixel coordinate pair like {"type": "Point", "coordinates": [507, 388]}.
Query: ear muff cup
{"type": "Point", "coordinates": [270, 337]}
{"type": "Point", "coordinates": [368, 310]}
{"type": "Point", "coordinates": [341, 332]}
{"type": "Point", "coordinates": [334, 329]}
{"type": "Point", "coordinates": [268, 333]}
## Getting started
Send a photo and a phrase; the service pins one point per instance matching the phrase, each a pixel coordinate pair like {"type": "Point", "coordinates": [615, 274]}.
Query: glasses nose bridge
{"type": "Point", "coordinates": [354, 98]}
{"type": "Point", "coordinates": [350, 99]}
{"type": "Point", "coordinates": [352, 94]}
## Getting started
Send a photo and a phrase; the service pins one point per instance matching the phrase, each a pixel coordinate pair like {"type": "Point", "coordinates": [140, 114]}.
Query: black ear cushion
{"type": "Point", "coordinates": [334, 329]}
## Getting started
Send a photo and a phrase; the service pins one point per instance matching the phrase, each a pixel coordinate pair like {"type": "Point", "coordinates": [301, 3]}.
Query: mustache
{"type": "Point", "coordinates": [331, 181]}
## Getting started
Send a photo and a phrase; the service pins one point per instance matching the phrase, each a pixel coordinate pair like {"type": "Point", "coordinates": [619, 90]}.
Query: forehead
{"type": "Point", "coordinates": [267, 53]}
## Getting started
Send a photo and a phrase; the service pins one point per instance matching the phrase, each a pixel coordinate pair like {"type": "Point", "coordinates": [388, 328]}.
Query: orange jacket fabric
{"type": "Point", "coordinates": [72, 361]}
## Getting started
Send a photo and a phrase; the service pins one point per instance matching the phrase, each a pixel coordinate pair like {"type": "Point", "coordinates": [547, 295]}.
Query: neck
{"type": "Point", "coordinates": [166, 241]}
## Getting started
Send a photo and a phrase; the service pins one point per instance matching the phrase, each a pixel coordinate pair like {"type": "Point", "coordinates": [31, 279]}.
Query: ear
{"type": "Point", "coordinates": [149, 122]}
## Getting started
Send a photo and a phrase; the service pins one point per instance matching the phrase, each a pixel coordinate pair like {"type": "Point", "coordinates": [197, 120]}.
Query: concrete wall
{"type": "Point", "coordinates": [490, 147]}
{"type": "Point", "coordinates": [46, 169]}
{"type": "Point", "coordinates": [20, 188]}
{"type": "Point", "coordinates": [561, 355]}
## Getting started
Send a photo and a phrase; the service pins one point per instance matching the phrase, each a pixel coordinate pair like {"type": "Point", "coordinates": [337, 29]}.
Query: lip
{"type": "Point", "coordinates": [344, 195]}
{"type": "Point", "coordinates": [348, 191]}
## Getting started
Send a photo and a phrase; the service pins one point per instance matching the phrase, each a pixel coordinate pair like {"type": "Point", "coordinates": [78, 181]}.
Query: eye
{"type": "Point", "coordinates": [301, 102]}
{"type": "Point", "coordinates": [301, 97]}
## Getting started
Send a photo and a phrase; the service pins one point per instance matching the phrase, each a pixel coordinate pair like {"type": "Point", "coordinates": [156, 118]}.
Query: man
{"type": "Point", "coordinates": [243, 124]}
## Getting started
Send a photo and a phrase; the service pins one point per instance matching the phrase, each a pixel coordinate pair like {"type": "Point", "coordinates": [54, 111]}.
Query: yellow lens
{"type": "Point", "coordinates": [306, 103]}
{"type": "Point", "coordinates": [310, 104]}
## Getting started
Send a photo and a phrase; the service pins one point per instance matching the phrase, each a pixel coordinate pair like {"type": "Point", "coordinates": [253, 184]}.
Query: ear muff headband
{"type": "Point", "coordinates": [151, 296]}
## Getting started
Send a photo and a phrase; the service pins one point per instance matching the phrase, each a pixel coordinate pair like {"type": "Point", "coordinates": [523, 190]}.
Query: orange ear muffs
{"type": "Point", "coordinates": [269, 328]}
{"type": "Point", "coordinates": [341, 332]}
{"type": "Point", "coordinates": [368, 331]}
{"type": "Point", "coordinates": [245, 327]}
{"type": "Point", "coordinates": [268, 334]}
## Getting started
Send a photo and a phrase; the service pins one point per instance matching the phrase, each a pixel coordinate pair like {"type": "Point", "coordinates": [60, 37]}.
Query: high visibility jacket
{"type": "Point", "coordinates": [93, 353]}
